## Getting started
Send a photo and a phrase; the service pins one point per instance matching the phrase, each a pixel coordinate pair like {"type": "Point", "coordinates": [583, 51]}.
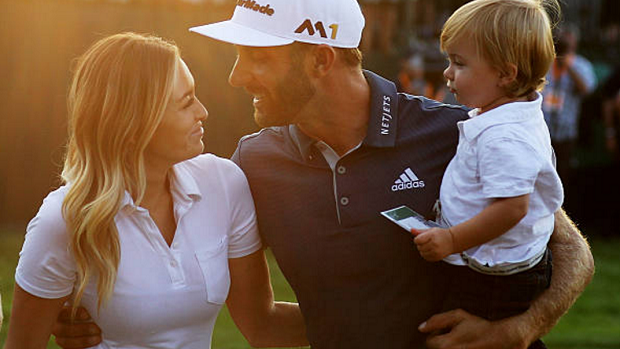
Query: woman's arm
{"type": "Point", "coordinates": [32, 319]}
{"type": "Point", "coordinates": [263, 322]}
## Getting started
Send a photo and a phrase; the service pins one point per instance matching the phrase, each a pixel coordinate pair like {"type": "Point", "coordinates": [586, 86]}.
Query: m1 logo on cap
{"type": "Point", "coordinates": [254, 6]}
{"type": "Point", "coordinates": [307, 25]}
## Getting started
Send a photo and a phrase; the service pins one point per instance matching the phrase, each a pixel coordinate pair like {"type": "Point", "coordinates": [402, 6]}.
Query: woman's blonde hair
{"type": "Point", "coordinates": [507, 32]}
{"type": "Point", "coordinates": [116, 100]}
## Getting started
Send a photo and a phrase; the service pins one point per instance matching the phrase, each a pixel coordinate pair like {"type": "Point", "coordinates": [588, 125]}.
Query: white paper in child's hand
{"type": "Point", "coordinates": [408, 218]}
{"type": "Point", "coordinates": [413, 222]}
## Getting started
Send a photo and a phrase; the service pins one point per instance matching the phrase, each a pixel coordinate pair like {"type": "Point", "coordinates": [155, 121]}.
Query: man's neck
{"type": "Point", "coordinates": [341, 116]}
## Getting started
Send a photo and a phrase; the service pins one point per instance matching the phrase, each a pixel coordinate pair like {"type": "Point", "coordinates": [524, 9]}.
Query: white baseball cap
{"type": "Point", "coordinates": [262, 23]}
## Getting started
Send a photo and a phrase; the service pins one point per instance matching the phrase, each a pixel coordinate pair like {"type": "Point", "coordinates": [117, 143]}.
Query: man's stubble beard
{"type": "Point", "coordinates": [292, 95]}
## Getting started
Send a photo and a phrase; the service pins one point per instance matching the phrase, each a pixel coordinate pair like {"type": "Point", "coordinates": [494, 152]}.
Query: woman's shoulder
{"type": "Point", "coordinates": [50, 215]}
{"type": "Point", "coordinates": [52, 204]}
{"type": "Point", "coordinates": [205, 164]}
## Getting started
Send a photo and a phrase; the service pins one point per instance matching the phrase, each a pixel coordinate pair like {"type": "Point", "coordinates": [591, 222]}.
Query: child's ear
{"type": "Point", "coordinates": [508, 74]}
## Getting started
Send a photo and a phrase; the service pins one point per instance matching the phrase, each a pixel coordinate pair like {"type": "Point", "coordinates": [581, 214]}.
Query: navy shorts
{"type": "Point", "coordinates": [496, 297]}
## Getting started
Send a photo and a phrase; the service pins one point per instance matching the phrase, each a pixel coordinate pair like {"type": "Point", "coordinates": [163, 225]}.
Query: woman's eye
{"type": "Point", "coordinates": [190, 102]}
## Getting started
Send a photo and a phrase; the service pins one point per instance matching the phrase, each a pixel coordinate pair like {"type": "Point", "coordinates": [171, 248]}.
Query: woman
{"type": "Point", "coordinates": [147, 234]}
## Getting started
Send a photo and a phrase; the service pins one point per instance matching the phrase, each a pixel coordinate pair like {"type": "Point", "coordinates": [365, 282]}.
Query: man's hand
{"type": "Point", "coordinates": [81, 333]}
{"type": "Point", "coordinates": [461, 330]}
{"type": "Point", "coordinates": [434, 244]}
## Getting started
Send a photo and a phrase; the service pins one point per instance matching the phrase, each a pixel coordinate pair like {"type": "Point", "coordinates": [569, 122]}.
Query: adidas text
{"type": "Point", "coordinates": [408, 185]}
{"type": "Point", "coordinates": [407, 180]}
{"type": "Point", "coordinates": [254, 6]}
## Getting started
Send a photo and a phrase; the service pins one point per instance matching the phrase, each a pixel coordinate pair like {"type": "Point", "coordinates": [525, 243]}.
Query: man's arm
{"type": "Point", "coordinates": [80, 333]}
{"type": "Point", "coordinates": [573, 268]}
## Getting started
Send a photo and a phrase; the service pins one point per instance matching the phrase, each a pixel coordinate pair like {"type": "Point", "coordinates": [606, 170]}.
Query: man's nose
{"type": "Point", "coordinates": [238, 76]}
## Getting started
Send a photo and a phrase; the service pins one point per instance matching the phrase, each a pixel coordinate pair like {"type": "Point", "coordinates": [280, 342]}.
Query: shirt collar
{"type": "Point", "coordinates": [382, 123]}
{"type": "Point", "coordinates": [383, 120]}
{"type": "Point", "coordinates": [303, 142]}
{"type": "Point", "coordinates": [183, 186]}
{"type": "Point", "coordinates": [330, 155]}
{"type": "Point", "coordinates": [127, 200]}
{"type": "Point", "coordinates": [514, 112]}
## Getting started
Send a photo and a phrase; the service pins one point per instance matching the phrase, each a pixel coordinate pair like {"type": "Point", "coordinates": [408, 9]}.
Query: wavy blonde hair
{"type": "Point", "coordinates": [116, 100]}
{"type": "Point", "coordinates": [505, 32]}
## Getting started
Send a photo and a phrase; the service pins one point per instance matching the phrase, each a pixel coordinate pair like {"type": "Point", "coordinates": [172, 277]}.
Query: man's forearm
{"type": "Point", "coordinates": [573, 268]}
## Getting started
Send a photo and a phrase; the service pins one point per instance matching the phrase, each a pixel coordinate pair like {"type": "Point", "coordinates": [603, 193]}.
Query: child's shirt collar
{"type": "Point", "coordinates": [514, 112]}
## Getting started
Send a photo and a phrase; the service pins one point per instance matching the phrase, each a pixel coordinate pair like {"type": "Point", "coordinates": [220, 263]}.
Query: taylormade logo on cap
{"type": "Point", "coordinates": [252, 5]}
{"type": "Point", "coordinates": [338, 23]}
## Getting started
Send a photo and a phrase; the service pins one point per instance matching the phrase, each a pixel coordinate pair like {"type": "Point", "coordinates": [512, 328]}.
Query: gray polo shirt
{"type": "Point", "coordinates": [358, 277]}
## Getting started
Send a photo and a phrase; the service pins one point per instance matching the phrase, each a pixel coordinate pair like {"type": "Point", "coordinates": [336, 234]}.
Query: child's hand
{"type": "Point", "coordinates": [434, 244]}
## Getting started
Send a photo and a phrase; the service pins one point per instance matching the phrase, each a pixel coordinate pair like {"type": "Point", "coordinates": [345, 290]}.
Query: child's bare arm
{"type": "Point", "coordinates": [493, 221]}
{"type": "Point", "coordinates": [496, 219]}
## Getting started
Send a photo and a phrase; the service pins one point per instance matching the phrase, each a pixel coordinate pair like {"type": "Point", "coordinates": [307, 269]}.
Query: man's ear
{"type": "Point", "coordinates": [508, 74]}
{"type": "Point", "coordinates": [322, 60]}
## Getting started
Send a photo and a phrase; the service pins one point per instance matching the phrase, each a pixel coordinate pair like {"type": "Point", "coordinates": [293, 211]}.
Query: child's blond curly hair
{"type": "Point", "coordinates": [505, 32]}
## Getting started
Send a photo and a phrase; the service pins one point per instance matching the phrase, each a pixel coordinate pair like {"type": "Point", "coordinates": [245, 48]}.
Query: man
{"type": "Point", "coordinates": [570, 79]}
{"type": "Point", "coordinates": [339, 146]}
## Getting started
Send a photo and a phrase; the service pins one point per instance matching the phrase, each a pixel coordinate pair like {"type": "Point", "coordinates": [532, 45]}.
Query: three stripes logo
{"type": "Point", "coordinates": [407, 180]}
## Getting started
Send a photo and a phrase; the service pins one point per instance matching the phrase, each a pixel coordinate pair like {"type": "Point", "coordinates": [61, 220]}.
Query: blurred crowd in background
{"type": "Point", "coordinates": [400, 42]}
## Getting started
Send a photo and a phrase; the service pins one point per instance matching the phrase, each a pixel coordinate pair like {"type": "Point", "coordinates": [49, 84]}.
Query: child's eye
{"type": "Point", "coordinates": [455, 62]}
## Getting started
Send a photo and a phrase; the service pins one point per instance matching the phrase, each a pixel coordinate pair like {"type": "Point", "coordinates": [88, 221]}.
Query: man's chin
{"type": "Point", "coordinates": [265, 120]}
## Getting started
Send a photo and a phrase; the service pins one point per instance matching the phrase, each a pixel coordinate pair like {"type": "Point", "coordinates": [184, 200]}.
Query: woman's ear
{"type": "Point", "coordinates": [508, 74]}
{"type": "Point", "coordinates": [322, 60]}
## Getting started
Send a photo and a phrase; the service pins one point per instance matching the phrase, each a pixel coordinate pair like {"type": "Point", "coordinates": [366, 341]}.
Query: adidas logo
{"type": "Point", "coordinates": [407, 180]}
{"type": "Point", "coordinates": [252, 5]}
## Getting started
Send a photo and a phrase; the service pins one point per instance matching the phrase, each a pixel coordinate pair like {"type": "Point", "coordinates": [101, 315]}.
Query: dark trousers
{"type": "Point", "coordinates": [496, 297]}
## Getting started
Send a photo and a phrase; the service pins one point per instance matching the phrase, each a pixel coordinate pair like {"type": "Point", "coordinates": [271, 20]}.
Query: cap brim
{"type": "Point", "coordinates": [237, 34]}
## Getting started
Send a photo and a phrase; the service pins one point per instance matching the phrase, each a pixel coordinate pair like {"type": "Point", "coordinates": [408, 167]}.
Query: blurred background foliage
{"type": "Point", "coordinates": [39, 41]}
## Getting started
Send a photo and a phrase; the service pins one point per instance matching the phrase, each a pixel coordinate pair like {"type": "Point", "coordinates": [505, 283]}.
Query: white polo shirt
{"type": "Point", "coordinates": [164, 296]}
{"type": "Point", "coordinates": [505, 152]}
